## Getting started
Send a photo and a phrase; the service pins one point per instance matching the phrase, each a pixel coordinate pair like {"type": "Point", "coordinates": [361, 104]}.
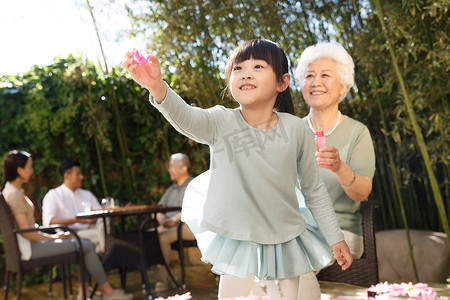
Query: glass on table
{"type": "Point", "coordinates": [86, 206]}
{"type": "Point", "coordinates": [110, 202]}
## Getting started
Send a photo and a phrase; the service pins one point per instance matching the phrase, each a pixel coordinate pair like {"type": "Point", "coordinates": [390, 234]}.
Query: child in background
{"type": "Point", "coordinates": [249, 223]}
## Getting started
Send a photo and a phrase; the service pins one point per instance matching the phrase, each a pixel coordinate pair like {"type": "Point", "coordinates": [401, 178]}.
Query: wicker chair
{"type": "Point", "coordinates": [363, 271]}
{"type": "Point", "coordinates": [13, 261]}
{"type": "Point", "coordinates": [179, 246]}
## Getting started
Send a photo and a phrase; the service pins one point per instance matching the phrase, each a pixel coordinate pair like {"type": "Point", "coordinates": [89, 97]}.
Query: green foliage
{"type": "Point", "coordinates": [420, 37]}
{"type": "Point", "coordinates": [193, 41]}
{"type": "Point", "coordinates": [61, 110]}
{"type": "Point", "coordinates": [65, 110]}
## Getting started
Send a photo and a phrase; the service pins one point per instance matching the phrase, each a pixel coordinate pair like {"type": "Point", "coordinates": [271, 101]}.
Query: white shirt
{"type": "Point", "coordinates": [62, 202]}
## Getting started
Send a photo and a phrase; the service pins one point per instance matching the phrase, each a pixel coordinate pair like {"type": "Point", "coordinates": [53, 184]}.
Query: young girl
{"type": "Point", "coordinates": [17, 169]}
{"type": "Point", "coordinates": [249, 223]}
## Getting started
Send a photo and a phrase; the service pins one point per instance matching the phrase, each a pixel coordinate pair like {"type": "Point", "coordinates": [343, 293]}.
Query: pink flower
{"type": "Point", "coordinates": [397, 290]}
{"type": "Point", "coordinates": [383, 297]}
{"type": "Point", "coordinates": [428, 294]}
{"type": "Point", "coordinates": [380, 288]}
{"type": "Point", "coordinates": [185, 296]}
{"type": "Point", "coordinates": [419, 291]}
{"type": "Point", "coordinates": [243, 298]}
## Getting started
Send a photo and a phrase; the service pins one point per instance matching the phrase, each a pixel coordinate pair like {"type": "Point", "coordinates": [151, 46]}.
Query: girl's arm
{"type": "Point", "coordinates": [195, 123]}
{"type": "Point", "coordinates": [22, 223]}
{"type": "Point", "coordinates": [315, 192]}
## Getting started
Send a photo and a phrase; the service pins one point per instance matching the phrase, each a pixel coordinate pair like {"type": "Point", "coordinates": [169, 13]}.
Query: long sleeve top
{"type": "Point", "coordinates": [251, 194]}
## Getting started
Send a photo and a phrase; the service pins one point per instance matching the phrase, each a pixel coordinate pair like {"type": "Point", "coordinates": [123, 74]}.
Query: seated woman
{"type": "Point", "coordinates": [17, 169]}
{"type": "Point", "coordinates": [347, 165]}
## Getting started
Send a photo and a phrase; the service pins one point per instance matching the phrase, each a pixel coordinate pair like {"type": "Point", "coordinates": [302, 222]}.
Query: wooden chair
{"type": "Point", "coordinates": [13, 261]}
{"type": "Point", "coordinates": [179, 245]}
{"type": "Point", "coordinates": [363, 271]}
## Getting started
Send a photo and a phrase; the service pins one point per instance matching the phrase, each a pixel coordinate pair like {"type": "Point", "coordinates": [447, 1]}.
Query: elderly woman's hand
{"type": "Point", "coordinates": [328, 158]}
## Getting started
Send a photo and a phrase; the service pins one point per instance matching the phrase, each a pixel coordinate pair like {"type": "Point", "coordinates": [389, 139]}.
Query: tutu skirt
{"type": "Point", "coordinates": [305, 253]}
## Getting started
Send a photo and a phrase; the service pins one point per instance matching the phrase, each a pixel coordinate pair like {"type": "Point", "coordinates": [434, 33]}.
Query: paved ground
{"type": "Point", "coordinates": [200, 282]}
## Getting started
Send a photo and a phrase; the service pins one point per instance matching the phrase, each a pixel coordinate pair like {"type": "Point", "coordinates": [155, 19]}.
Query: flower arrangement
{"type": "Point", "coordinates": [185, 296]}
{"type": "Point", "coordinates": [381, 291]}
{"type": "Point", "coordinates": [250, 298]}
{"type": "Point", "coordinates": [418, 291]}
{"type": "Point", "coordinates": [386, 291]}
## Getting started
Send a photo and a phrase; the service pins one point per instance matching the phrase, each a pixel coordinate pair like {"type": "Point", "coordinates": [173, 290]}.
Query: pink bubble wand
{"type": "Point", "coordinates": [141, 56]}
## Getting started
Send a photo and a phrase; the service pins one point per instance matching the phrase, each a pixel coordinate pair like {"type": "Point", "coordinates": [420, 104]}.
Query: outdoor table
{"type": "Point", "coordinates": [138, 249]}
{"type": "Point", "coordinates": [124, 211]}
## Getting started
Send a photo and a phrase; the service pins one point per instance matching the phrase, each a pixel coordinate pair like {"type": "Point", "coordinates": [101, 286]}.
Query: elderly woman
{"type": "Point", "coordinates": [347, 164]}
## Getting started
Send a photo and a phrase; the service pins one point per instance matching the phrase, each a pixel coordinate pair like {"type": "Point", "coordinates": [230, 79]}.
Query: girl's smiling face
{"type": "Point", "coordinates": [253, 82]}
{"type": "Point", "coordinates": [322, 85]}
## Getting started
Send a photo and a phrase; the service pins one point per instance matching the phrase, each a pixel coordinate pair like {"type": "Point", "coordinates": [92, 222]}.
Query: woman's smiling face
{"type": "Point", "coordinates": [322, 85]}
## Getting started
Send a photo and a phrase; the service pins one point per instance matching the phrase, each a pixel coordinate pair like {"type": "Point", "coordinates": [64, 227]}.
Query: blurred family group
{"type": "Point", "coordinates": [61, 205]}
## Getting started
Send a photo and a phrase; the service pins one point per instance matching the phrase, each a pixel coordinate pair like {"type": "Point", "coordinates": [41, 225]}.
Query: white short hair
{"type": "Point", "coordinates": [181, 159]}
{"type": "Point", "coordinates": [336, 52]}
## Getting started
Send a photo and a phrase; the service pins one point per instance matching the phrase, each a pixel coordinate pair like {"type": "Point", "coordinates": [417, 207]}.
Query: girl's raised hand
{"type": "Point", "coordinates": [147, 75]}
{"type": "Point", "coordinates": [342, 253]}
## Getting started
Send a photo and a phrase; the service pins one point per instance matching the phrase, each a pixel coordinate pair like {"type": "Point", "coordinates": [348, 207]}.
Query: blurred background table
{"type": "Point", "coordinates": [136, 248]}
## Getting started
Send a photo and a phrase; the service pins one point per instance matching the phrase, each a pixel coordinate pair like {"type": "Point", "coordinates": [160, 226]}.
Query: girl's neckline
{"type": "Point", "coordinates": [260, 129]}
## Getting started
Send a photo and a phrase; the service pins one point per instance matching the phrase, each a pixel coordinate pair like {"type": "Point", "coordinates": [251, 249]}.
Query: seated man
{"type": "Point", "coordinates": [61, 205]}
{"type": "Point", "coordinates": [179, 165]}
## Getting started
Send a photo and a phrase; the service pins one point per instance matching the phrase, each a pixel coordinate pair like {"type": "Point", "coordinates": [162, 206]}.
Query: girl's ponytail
{"type": "Point", "coordinates": [284, 102]}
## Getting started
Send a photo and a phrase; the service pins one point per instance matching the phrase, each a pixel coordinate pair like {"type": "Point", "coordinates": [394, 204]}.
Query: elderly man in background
{"type": "Point", "coordinates": [179, 171]}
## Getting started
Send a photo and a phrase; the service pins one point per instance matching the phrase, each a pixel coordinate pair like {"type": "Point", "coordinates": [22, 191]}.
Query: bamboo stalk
{"type": "Point", "coordinates": [397, 188]}
{"type": "Point", "coordinates": [123, 149]}
{"type": "Point", "coordinates": [416, 128]}
{"type": "Point", "coordinates": [100, 166]}
{"type": "Point", "coordinates": [97, 149]}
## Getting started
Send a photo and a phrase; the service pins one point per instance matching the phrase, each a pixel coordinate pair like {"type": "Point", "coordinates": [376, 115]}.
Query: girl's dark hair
{"type": "Point", "coordinates": [274, 55]}
{"type": "Point", "coordinates": [13, 160]}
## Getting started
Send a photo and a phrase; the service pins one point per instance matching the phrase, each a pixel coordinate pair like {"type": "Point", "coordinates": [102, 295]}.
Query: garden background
{"type": "Point", "coordinates": [95, 113]}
